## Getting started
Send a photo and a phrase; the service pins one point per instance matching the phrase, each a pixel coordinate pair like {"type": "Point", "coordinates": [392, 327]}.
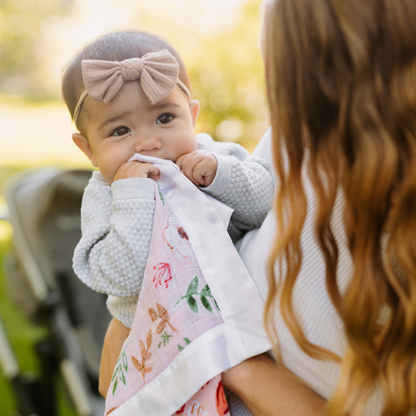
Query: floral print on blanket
{"type": "Point", "coordinates": [175, 308]}
{"type": "Point", "coordinates": [120, 369]}
{"type": "Point", "coordinates": [204, 295]}
{"type": "Point", "coordinates": [162, 272]}
{"type": "Point", "coordinates": [144, 367]}
{"type": "Point", "coordinates": [176, 237]}
{"type": "Point", "coordinates": [199, 405]}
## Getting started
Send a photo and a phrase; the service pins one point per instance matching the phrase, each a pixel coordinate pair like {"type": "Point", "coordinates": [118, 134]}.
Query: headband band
{"type": "Point", "coordinates": [157, 73]}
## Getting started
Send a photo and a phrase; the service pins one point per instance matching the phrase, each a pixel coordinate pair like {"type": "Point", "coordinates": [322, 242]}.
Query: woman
{"type": "Point", "coordinates": [341, 288]}
{"type": "Point", "coordinates": [341, 295]}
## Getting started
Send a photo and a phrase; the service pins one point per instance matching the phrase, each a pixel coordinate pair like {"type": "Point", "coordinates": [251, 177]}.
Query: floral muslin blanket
{"type": "Point", "coordinates": [199, 313]}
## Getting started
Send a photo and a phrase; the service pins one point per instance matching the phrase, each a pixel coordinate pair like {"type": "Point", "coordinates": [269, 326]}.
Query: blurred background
{"type": "Point", "coordinates": [219, 43]}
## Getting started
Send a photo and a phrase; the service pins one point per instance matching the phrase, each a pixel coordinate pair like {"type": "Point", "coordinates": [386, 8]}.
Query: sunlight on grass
{"type": "Point", "coordinates": [36, 134]}
{"type": "Point", "coordinates": [22, 335]}
{"type": "Point", "coordinates": [5, 232]}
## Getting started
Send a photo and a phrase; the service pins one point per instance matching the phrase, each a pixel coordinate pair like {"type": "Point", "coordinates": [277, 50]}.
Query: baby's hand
{"type": "Point", "coordinates": [135, 169]}
{"type": "Point", "coordinates": [199, 166]}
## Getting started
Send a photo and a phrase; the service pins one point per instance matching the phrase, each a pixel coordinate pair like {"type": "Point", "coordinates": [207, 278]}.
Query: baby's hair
{"type": "Point", "coordinates": [116, 46]}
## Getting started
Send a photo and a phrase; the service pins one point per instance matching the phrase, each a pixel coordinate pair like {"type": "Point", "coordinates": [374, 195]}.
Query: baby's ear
{"type": "Point", "coordinates": [194, 106]}
{"type": "Point", "coordinates": [81, 141]}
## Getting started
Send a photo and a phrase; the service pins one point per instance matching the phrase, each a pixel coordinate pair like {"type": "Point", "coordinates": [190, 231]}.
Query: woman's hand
{"type": "Point", "coordinates": [267, 390]}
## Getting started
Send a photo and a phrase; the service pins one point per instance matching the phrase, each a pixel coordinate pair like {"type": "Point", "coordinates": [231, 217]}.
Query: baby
{"type": "Point", "coordinates": [129, 93]}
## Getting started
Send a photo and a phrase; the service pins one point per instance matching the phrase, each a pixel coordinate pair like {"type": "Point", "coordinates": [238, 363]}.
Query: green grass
{"type": "Point", "coordinates": [22, 333]}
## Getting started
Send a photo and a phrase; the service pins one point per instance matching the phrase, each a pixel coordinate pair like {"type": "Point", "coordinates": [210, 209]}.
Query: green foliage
{"type": "Point", "coordinates": [225, 66]}
{"type": "Point", "coordinates": [20, 25]}
{"type": "Point", "coordinates": [228, 81]}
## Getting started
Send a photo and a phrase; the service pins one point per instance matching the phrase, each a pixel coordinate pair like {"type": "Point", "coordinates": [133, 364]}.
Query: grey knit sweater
{"type": "Point", "coordinates": [117, 221]}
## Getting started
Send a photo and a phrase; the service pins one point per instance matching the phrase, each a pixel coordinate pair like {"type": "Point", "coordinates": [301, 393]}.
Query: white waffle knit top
{"type": "Point", "coordinates": [320, 321]}
{"type": "Point", "coordinates": [117, 221]}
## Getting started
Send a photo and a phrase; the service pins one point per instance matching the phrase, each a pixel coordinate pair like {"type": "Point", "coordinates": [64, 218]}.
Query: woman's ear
{"type": "Point", "coordinates": [81, 141]}
{"type": "Point", "coordinates": [194, 106]}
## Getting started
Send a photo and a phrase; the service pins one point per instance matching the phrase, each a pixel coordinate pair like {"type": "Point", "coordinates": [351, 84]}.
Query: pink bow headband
{"type": "Point", "coordinates": [157, 72]}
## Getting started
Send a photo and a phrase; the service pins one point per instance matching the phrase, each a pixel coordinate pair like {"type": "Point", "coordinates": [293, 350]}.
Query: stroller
{"type": "Point", "coordinates": [44, 208]}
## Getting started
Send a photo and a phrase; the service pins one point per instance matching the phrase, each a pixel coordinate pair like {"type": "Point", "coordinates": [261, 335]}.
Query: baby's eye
{"type": "Point", "coordinates": [120, 131]}
{"type": "Point", "coordinates": [165, 119]}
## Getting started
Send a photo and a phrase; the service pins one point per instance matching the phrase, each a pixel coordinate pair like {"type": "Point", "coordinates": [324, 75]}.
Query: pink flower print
{"type": "Point", "coordinates": [176, 238]}
{"type": "Point", "coordinates": [163, 270]}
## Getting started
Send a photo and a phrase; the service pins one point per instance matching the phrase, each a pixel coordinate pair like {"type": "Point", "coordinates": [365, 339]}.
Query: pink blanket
{"type": "Point", "coordinates": [182, 338]}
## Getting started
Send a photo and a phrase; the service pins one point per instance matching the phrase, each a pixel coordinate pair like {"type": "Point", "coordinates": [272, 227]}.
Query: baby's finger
{"type": "Point", "coordinates": [145, 170]}
{"type": "Point", "coordinates": [180, 160]}
{"type": "Point", "coordinates": [154, 176]}
{"type": "Point", "coordinates": [199, 172]}
{"type": "Point", "coordinates": [136, 169]}
{"type": "Point", "coordinates": [153, 172]}
{"type": "Point", "coordinates": [188, 169]}
{"type": "Point", "coordinates": [183, 160]}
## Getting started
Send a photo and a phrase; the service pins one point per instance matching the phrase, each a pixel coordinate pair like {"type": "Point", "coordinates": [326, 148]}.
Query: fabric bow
{"type": "Point", "coordinates": [157, 72]}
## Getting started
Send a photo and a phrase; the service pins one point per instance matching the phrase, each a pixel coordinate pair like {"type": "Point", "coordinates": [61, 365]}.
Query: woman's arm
{"type": "Point", "coordinates": [113, 341]}
{"type": "Point", "coordinates": [269, 391]}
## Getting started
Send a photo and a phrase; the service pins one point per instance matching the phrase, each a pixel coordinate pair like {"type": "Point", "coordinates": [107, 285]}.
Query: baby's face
{"type": "Point", "coordinates": [129, 124]}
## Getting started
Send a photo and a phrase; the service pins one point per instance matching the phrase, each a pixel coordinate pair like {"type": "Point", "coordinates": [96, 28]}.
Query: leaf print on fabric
{"type": "Point", "coordinates": [180, 348]}
{"type": "Point", "coordinates": [162, 314]}
{"type": "Point", "coordinates": [176, 237]}
{"type": "Point", "coordinates": [163, 270]}
{"type": "Point", "coordinates": [198, 410]}
{"type": "Point", "coordinates": [206, 293]}
{"type": "Point", "coordinates": [165, 339]}
{"type": "Point", "coordinates": [143, 367]}
{"type": "Point", "coordinates": [193, 286]}
{"type": "Point", "coordinates": [161, 196]}
{"type": "Point", "coordinates": [206, 303]}
{"type": "Point", "coordinates": [192, 303]}
{"type": "Point", "coordinates": [192, 290]}
{"type": "Point", "coordinates": [120, 368]}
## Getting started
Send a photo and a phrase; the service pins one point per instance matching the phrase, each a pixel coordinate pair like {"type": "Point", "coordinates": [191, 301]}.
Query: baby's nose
{"type": "Point", "coordinates": [146, 143]}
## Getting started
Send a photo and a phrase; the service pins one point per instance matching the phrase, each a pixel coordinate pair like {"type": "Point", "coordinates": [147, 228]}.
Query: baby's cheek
{"type": "Point", "coordinates": [108, 171]}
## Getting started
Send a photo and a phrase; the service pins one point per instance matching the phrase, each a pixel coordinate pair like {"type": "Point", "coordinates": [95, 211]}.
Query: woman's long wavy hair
{"type": "Point", "coordinates": [341, 83]}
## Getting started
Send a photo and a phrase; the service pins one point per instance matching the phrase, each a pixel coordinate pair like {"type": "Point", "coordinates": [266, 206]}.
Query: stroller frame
{"type": "Point", "coordinates": [70, 346]}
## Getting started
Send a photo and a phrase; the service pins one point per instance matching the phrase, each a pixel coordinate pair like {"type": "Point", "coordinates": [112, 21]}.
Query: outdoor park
{"type": "Point", "coordinates": [219, 43]}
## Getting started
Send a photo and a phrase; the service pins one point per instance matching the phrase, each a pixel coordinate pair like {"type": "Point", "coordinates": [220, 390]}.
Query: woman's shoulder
{"type": "Point", "coordinates": [264, 147]}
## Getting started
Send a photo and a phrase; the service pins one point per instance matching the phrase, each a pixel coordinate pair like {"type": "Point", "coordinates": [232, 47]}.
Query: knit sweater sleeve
{"type": "Point", "coordinates": [123, 308]}
{"type": "Point", "coordinates": [242, 182]}
{"type": "Point", "coordinates": [116, 224]}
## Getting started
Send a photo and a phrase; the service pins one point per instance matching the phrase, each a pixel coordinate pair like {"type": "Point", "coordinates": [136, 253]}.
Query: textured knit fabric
{"type": "Point", "coordinates": [117, 222]}
{"type": "Point", "coordinates": [320, 321]}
